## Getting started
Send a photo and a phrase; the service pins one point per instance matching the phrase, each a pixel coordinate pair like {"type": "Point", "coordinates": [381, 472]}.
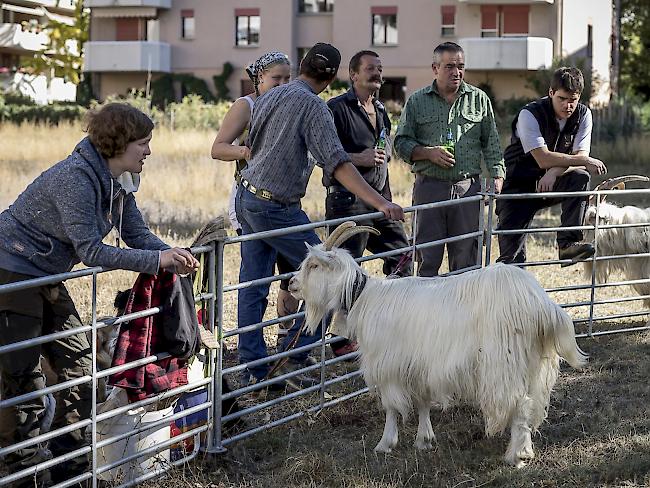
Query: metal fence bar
{"type": "Point", "coordinates": [93, 410]}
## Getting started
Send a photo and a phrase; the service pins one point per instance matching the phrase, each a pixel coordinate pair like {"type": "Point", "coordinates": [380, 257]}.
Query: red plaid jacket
{"type": "Point", "coordinates": [143, 337]}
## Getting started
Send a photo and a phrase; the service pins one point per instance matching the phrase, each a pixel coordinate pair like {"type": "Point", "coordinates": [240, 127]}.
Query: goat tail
{"type": "Point", "coordinates": [563, 334]}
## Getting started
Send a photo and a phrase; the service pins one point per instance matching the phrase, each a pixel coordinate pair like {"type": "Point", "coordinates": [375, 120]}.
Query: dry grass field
{"type": "Point", "coordinates": [597, 433]}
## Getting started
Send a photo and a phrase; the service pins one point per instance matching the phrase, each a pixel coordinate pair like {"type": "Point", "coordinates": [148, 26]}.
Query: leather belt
{"type": "Point", "coordinates": [336, 189]}
{"type": "Point", "coordinates": [258, 192]}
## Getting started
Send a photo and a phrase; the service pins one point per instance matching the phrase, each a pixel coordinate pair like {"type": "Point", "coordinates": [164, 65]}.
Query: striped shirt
{"type": "Point", "coordinates": [288, 122]}
{"type": "Point", "coordinates": [427, 117]}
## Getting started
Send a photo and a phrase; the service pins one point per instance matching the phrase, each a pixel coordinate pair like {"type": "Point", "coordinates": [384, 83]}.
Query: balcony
{"type": "Point", "coordinates": [507, 53]}
{"type": "Point", "coordinates": [128, 3]}
{"type": "Point", "coordinates": [127, 56]}
{"type": "Point", "coordinates": [13, 37]}
{"type": "Point", "coordinates": [507, 2]}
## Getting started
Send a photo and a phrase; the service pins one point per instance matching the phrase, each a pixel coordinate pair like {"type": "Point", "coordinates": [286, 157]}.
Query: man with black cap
{"type": "Point", "coordinates": [288, 122]}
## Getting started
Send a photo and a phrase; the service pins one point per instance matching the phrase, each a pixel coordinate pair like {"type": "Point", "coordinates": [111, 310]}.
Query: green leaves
{"type": "Point", "coordinates": [62, 55]}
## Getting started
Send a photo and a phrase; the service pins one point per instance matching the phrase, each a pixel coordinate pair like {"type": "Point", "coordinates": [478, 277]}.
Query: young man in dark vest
{"type": "Point", "coordinates": [549, 151]}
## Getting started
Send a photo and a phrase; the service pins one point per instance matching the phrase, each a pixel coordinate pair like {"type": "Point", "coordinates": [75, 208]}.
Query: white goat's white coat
{"type": "Point", "coordinates": [490, 337]}
{"type": "Point", "coordinates": [625, 240]}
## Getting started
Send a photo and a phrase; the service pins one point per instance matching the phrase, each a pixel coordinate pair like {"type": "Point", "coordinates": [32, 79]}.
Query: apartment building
{"type": "Point", "coordinates": [21, 36]}
{"type": "Point", "coordinates": [504, 40]}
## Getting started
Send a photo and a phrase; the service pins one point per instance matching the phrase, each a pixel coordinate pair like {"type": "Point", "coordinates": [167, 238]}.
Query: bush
{"type": "Point", "coordinates": [15, 98]}
{"type": "Point", "coordinates": [40, 114]}
{"type": "Point", "coordinates": [192, 113]}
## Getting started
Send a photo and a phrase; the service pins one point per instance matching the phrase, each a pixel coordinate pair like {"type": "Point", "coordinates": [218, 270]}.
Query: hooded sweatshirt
{"type": "Point", "coordinates": [63, 215]}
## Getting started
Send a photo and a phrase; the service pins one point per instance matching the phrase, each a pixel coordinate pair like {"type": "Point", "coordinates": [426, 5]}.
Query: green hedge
{"type": "Point", "coordinates": [40, 114]}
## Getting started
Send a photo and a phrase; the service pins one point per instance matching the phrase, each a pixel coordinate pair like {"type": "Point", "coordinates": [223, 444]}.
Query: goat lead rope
{"type": "Point", "coordinates": [290, 346]}
{"type": "Point", "coordinates": [406, 257]}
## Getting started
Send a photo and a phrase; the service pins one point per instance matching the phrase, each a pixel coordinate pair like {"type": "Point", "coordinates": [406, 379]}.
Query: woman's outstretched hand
{"type": "Point", "coordinates": [178, 260]}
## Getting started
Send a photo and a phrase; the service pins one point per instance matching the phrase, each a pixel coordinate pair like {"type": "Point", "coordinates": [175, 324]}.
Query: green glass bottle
{"type": "Point", "coordinates": [381, 141]}
{"type": "Point", "coordinates": [450, 144]}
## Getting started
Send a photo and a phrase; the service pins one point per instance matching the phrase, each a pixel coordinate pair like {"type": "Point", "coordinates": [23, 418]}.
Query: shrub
{"type": "Point", "coordinates": [192, 113]}
{"type": "Point", "coordinates": [40, 114]}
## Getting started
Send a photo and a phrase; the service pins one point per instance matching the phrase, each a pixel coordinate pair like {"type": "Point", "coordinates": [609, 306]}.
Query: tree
{"type": "Point", "coordinates": [62, 55]}
{"type": "Point", "coordinates": [635, 48]}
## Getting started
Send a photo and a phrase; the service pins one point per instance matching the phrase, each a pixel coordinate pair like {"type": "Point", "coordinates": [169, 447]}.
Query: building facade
{"type": "Point", "coordinates": [21, 36]}
{"type": "Point", "coordinates": [504, 40]}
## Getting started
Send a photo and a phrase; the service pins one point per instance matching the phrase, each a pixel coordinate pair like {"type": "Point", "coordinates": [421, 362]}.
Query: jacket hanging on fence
{"type": "Point", "coordinates": [175, 330]}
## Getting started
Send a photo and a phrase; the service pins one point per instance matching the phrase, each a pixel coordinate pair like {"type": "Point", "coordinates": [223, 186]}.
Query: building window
{"type": "Point", "coordinates": [384, 25]}
{"type": "Point", "coordinates": [188, 27]}
{"type": "Point", "coordinates": [448, 20]}
{"type": "Point", "coordinates": [130, 29]}
{"type": "Point", "coordinates": [315, 6]}
{"type": "Point", "coordinates": [247, 26]}
{"type": "Point", "coordinates": [504, 20]}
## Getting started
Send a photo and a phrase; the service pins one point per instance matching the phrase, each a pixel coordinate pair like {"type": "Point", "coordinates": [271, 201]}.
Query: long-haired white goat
{"type": "Point", "coordinates": [490, 337]}
{"type": "Point", "coordinates": [622, 240]}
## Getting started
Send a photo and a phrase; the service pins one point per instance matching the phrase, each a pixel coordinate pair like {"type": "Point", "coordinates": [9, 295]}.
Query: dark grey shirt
{"type": "Point", "coordinates": [289, 121]}
{"type": "Point", "coordinates": [61, 218]}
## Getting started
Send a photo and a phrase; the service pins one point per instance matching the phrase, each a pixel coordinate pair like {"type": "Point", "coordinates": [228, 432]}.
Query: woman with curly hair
{"type": "Point", "coordinates": [59, 220]}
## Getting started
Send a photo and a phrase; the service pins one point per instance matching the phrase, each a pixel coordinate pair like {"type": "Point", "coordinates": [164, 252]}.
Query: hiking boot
{"type": "Point", "coordinates": [344, 348]}
{"type": "Point", "coordinates": [576, 252]}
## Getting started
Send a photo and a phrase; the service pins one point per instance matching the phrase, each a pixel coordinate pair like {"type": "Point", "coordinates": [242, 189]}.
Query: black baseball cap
{"type": "Point", "coordinates": [323, 58]}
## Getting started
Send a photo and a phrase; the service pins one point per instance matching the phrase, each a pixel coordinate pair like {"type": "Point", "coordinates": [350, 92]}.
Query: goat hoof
{"type": "Point", "coordinates": [383, 449]}
{"type": "Point", "coordinates": [526, 453]}
{"type": "Point", "coordinates": [423, 445]}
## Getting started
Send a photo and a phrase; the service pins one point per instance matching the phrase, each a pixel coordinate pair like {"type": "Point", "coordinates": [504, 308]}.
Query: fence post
{"type": "Point", "coordinates": [215, 286]}
{"type": "Point", "coordinates": [93, 398]}
{"type": "Point", "coordinates": [414, 260]}
{"type": "Point", "coordinates": [593, 269]}
{"type": "Point", "coordinates": [481, 224]}
{"type": "Point", "coordinates": [488, 238]}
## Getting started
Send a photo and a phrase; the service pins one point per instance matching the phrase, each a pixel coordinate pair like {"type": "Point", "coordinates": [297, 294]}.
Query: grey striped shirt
{"type": "Point", "coordinates": [288, 122]}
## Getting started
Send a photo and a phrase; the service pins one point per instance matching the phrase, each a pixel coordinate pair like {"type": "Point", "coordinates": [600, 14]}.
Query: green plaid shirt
{"type": "Point", "coordinates": [426, 119]}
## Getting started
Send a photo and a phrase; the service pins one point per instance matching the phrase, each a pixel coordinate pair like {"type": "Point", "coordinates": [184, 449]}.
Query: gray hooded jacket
{"type": "Point", "coordinates": [63, 215]}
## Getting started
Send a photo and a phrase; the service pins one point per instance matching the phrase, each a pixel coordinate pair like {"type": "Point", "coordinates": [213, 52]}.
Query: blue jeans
{"type": "Point", "coordinates": [257, 260]}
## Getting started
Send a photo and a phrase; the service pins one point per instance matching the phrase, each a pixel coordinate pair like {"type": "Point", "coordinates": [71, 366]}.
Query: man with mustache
{"type": "Point", "coordinates": [444, 130]}
{"type": "Point", "coordinates": [363, 126]}
{"type": "Point", "coordinates": [549, 151]}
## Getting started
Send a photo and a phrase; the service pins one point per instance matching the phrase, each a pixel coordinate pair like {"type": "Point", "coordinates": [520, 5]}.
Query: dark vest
{"type": "Point", "coordinates": [522, 166]}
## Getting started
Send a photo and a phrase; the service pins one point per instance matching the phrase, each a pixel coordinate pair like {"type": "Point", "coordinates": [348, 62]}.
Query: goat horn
{"type": "Point", "coordinates": [354, 231]}
{"type": "Point", "coordinates": [329, 242]}
{"type": "Point", "coordinates": [617, 183]}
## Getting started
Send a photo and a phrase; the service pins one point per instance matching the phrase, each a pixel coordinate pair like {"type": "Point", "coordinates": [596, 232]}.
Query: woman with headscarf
{"type": "Point", "coordinates": [270, 70]}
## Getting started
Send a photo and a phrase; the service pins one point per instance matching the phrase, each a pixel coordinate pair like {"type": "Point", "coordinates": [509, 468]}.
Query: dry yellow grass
{"type": "Point", "coordinates": [182, 188]}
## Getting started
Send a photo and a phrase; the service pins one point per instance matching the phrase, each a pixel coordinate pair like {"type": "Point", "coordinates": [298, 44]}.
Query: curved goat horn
{"type": "Point", "coordinates": [331, 239]}
{"type": "Point", "coordinates": [616, 183]}
{"type": "Point", "coordinates": [354, 231]}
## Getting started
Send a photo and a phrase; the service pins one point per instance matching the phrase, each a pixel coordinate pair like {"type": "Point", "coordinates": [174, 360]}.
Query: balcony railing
{"type": "Point", "coordinates": [128, 3]}
{"type": "Point", "coordinates": [507, 53]}
{"type": "Point", "coordinates": [13, 37]}
{"type": "Point", "coordinates": [127, 56]}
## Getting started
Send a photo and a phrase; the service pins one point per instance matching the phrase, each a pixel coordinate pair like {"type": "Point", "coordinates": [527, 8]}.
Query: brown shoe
{"type": "Point", "coordinates": [576, 252]}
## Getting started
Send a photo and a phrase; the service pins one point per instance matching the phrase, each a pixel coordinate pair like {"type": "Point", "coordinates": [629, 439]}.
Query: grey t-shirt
{"type": "Point", "coordinates": [288, 122]}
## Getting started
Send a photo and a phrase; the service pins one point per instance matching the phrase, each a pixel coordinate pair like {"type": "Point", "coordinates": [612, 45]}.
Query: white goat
{"type": "Point", "coordinates": [623, 240]}
{"type": "Point", "coordinates": [490, 337]}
